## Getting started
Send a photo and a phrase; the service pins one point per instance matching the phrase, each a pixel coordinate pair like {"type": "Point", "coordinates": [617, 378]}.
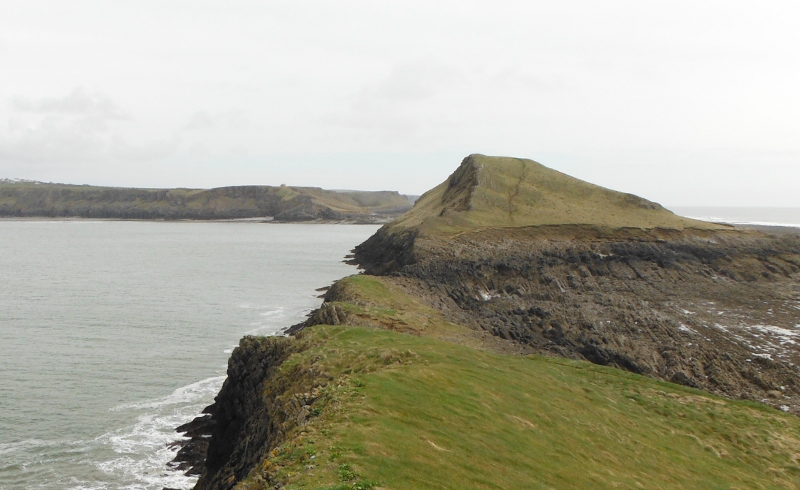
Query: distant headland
{"type": "Point", "coordinates": [29, 199]}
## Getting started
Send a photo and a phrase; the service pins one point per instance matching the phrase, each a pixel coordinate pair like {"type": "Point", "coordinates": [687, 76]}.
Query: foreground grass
{"type": "Point", "coordinates": [410, 412]}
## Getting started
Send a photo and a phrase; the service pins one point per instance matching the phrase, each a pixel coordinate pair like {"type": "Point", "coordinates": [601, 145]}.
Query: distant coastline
{"type": "Point", "coordinates": [375, 220]}
{"type": "Point", "coordinates": [286, 204]}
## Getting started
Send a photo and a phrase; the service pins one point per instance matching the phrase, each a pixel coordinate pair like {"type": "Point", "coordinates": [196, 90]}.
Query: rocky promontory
{"type": "Point", "coordinates": [419, 372]}
{"type": "Point", "coordinates": [563, 267]}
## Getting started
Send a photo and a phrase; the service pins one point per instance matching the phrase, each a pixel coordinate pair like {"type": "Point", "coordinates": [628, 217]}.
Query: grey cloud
{"type": "Point", "coordinates": [57, 138]}
{"type": "Point", "coordinates": [53, 141]}
{"type": "Point", "coordinates": [397, 108]}
{"type": "Point", "coordinates": [517, 78]}
{"type": "Point", "coordinates": [79, 128]}
{"type": "Point", "coordinates": [76, 103]}
{"type": "Point", "coordinates": [201, 120]}
{"type": "Point", "coordinates": [411, 81]}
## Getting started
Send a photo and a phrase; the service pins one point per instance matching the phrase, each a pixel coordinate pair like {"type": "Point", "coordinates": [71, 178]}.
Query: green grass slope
{"type": "Point", "coordinates": [400, 411]}
{"type": "Point", "coordinates": [512, 192]}
{"type": "Point", "coordinates": [414, 412]}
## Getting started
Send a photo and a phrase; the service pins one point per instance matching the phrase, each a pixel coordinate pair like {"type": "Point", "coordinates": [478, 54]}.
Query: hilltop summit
{"type": "Point", "coordinates": [513, 192]}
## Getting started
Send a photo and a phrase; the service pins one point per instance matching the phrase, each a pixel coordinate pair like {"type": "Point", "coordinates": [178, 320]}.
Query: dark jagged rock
{"type": "Point", "coordinates": [191, 456]}
{"type": "Point", "coordinates": [245, 425]}
{"type": "Point", "coordinates": [257, 406]}
{"type": "Point", "coordinates": [385, 252]}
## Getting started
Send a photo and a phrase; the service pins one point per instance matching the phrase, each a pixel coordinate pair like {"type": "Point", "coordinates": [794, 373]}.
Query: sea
{"type": "Point", "coordinates": [763, 216]}
{"type": "Point", "coordinates": [113, 333]}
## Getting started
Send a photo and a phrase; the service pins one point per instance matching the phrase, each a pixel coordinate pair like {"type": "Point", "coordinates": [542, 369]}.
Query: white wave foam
{"type": "Point", "coordinates": [143, 449]}
{"type": "Point", "coordinates": [266, 330]}
{"type": "Point", "coordinates": [144, 452]}
{"type": "Point", "coordinates": [275, 312]}
{"type": "Point", "coordinates": [184, 394]}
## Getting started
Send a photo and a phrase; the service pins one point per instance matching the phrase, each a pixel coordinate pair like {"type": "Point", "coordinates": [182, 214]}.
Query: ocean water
{"type": "Point", "coordinates": [113, 333]}
{"type": "Point", "coordinates": [743, 215]}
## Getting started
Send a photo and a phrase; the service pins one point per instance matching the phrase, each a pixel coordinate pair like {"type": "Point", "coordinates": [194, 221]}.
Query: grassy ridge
{"type": "Point", "coordinates": [407, 411]}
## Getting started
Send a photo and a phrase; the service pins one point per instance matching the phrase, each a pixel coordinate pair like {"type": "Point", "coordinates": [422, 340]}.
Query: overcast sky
{"type": "Point", "coordinates": [682, 102]}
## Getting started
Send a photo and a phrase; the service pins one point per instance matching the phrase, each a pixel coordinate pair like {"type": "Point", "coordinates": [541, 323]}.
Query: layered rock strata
{"type": "Point", "coordinates": [715, 310]}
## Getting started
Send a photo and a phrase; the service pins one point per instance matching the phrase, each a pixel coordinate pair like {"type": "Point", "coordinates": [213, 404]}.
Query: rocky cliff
{"type": "Point", "coordinates": [258, 405]}
{"type": "Point", "coordinates": [284, 203]}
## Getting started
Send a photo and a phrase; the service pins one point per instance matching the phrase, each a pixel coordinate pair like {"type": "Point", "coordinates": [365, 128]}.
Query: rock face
{"type": "Point", "coordinates": [260, 403]}
{"type": "Point", "coordinates": [698, 304]}
{"type": "Point", "coordinates": [247, 416]}
{"type": "Point", "coordinates": [283, 203]}
{"type": "Point", "coordinates": [717, 311]}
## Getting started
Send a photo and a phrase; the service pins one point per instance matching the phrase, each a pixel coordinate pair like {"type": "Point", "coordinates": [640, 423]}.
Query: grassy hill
{"type": "Point", "coordinates": [284, 203]}
{"type": "Point", "coordinates": [513, 192]}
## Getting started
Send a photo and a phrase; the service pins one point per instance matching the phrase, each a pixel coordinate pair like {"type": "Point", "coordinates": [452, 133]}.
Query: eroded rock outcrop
{"type": "Point", "coordinates": [255, 409]}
